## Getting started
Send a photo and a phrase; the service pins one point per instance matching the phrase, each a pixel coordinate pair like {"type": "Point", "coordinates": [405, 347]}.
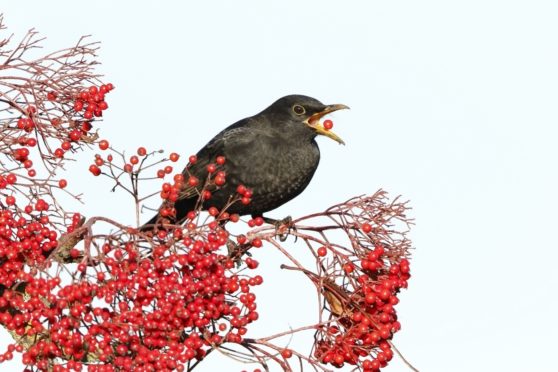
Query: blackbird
{"type": "Point", "coordinates": [274, 153]}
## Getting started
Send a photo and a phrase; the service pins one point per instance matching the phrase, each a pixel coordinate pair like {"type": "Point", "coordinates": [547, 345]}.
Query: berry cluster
{"type": "Point", "coordinates": [49, 137]}
{"type": "Point", "coordinates": [25, 239]}
{"type": "Point", "coordinates": [366, 316]}
{"type": "Point", "coordinates": [173, 303]}
{"type": "Point", "coordinates": [92, 101]}
{"type": "Point", "coordinates": [361, 286]}
{"type": "Point", "coordinates": [88, 104]}
{"type": "Point", "coordinates": [176, 297]}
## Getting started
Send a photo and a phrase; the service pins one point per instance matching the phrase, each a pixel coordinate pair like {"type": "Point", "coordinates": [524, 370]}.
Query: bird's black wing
{"type": "Point", "coordinates": [241, 146]}
{"type": "Point", "coordinates": [246, 150]}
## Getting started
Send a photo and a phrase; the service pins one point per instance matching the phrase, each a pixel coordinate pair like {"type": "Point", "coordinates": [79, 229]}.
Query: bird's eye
{"type": "Point", "coordinates": [298, 109]}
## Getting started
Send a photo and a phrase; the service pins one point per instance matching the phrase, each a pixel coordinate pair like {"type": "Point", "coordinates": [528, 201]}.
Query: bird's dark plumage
{"type": "Point", "coordinates": [274, 153]}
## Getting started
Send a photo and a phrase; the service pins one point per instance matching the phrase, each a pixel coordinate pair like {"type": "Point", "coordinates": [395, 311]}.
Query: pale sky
{"type": "Point", "coordinates": [453, 106]}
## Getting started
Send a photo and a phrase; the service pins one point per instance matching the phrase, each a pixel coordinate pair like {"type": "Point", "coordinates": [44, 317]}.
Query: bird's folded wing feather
{"type": "Point", "coordinates": [239, 145]}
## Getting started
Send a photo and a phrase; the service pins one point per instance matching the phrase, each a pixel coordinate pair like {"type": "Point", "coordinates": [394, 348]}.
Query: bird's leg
{"type": "Point", "coordinates": [286, 222]}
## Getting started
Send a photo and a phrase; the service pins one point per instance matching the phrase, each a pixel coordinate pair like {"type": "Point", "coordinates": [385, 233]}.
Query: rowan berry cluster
{"type": "Point", "coordinates": [69, 128]}
{"type": "Point", "coordinates": [360, 287]}
{"type": "Point", "coordinates": [92, 101]}
{"type": "Point", "coordinates": [131, 305]}
{"type": "Point", "coordinates": [87, 105]}
{"type": "Point", "coordinates": [25, 239]}
{"type": "Point", "coordinates": [363, 329]}
{"type": "Point", "coordinates": [140, 308]}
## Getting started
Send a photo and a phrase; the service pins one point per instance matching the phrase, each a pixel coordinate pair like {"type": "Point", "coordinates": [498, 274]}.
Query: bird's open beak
{"type": "Point", "coordinates": [314, 122]}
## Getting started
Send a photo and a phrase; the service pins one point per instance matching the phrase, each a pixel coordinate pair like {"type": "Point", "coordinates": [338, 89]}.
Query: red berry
{"type": "Point", "coordinates": [370, 298]}
{"type": "Point", "coordinates": [220, 160]}
{"type": "Point", "coordinates": [134, 159]}
{"type": "Point", "coordinates": [366, 228]}
{"type": "Point", "coordinates": [193, 181]}
{"type": "Point", "coordinates": [11, 178]}
{"type": "Point", "coordinates": [10, 200]}
{"type": "Point", "coordinates": [405, 269]}
{"type": "Point", "coordinates": [78, 105]}
{"type": "Point", "coordinates": [66, 145]}
{"type": "Point", "coordinates": [322, 251]}
{"type": "Point", "coordinates": [103, 144]}
{"type": "Point", "coordinates": [51, 96]}
{"type": "Point", "coordinates": [241, 189]}
{"type": "Point", "coordinates": [21, 154]}
{"type": "Point", "coordinates": [94, 169]}
{"type": "Point", "coordinates": [62, 183]}
{"type": "Point", "coordinates": [286, 353]}
{"type": "Point", "coordinates": [166, 187]}
{"type": "Point", "coordinates": [211, 168]}
{"type": "Point", "coordinates": [59, 153]}
{"type": "Point", "coordinates": [384, 294]}
{"type": "Point", "coordinates": [142, 151]}
{"type": "Point", "coordinates": [348, 268]}
{"type": "Point", "coordinates": [86, 126]}
{"type": "Point", "coordinates": [328, 124]}
{"type": "Point", "coordinates": [193, 159]}
{"type": "Point", "coordinates": [75, 135]}
{"type": "Point", "coordinates": [219, 180]}
{"type": "Point", "coordinates": [174, 157]}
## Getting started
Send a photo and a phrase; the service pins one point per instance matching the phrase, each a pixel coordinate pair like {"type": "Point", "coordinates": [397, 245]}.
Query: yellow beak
{"type": "Point", "coordinates": [314, 122]}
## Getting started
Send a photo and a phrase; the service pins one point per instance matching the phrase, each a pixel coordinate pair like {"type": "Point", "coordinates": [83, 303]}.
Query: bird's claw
{"type": "Point", "coordinates": [281, 225]}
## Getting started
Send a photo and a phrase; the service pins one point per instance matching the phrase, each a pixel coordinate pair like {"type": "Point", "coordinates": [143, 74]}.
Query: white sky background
{"type": "Point", "coordinates": [453, 105]}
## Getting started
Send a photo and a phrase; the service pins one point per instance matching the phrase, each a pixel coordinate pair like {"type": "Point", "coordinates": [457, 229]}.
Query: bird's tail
{"type": "Point", "coordinates": [150, 225]}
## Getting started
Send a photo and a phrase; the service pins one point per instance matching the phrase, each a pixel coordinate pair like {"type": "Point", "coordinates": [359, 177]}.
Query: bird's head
{"type": "Point", "coordinates": [303, 114]}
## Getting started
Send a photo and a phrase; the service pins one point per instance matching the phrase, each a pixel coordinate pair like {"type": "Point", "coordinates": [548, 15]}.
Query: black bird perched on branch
{"type": "Point", "coordinates": [274, 153]}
